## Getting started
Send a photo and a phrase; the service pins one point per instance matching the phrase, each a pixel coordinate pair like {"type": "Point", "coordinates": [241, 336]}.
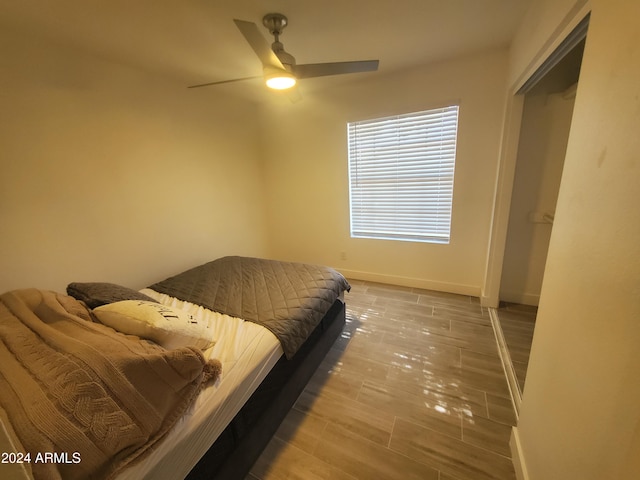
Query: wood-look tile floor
{"type": "Point", "coordinates": [413, 389]}
{"type": "Point", "coordinates": [518, 323]}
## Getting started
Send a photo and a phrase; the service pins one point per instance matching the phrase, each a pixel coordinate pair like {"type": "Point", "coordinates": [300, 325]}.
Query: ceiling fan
{"type": "Point", "coordinates": [279, 67]}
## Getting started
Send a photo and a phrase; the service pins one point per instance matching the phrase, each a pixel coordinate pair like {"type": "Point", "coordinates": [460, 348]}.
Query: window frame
{"type": "Point", "coordinates": [408, 180]}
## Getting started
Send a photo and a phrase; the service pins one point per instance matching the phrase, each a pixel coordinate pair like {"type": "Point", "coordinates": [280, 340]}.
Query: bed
{"type": "Point", "coordinates": [260, 327]}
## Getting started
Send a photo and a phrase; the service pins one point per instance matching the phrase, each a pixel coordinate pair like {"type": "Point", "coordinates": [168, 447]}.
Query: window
{"type": "Point", "coordinates": [401, 175]}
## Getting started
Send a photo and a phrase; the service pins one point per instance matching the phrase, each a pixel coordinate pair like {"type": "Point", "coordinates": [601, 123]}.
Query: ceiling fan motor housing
{"type": "Point", "coordinates": [286, 58]}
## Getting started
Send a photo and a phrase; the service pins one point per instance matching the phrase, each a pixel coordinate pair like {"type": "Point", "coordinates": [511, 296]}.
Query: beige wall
{"type": "Point", "coordinates": [111, 174]}
{"type": "Point", "coordinates": [307, 173]}
{"type": "Point", "coordinates": [580, 418]}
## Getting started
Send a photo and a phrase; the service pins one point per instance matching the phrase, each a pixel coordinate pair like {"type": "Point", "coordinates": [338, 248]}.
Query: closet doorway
{"type": "Point", "coordinates": [546, 120]}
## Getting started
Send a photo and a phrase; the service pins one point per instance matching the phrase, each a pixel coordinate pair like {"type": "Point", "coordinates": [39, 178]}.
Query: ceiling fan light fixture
{"type": "Point", "coordinates": [280, 80]}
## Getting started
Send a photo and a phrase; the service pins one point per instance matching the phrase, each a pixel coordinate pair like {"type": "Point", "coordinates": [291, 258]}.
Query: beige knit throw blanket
{"type": "Point", "coordinates": [83, 400]}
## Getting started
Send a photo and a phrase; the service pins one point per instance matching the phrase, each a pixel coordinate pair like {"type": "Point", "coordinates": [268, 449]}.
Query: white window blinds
{"type": "Point", "coordinates": [401, 175]}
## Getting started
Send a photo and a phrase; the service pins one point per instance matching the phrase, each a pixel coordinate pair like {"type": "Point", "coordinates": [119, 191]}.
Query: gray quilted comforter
{"type": "Point", "coordinates": [289, 299]}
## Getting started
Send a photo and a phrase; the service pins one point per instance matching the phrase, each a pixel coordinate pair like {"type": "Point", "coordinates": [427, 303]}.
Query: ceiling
{"type": "Point", "coordinates": [196, 41]}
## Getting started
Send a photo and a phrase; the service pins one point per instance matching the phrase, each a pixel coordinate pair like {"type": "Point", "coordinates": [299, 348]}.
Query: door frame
{"type": "Point", "coordinates": [490, 291]}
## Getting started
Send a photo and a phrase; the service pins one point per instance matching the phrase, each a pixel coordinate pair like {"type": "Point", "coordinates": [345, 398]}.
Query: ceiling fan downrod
{"type": "Point", "coordinates": [275, 23]}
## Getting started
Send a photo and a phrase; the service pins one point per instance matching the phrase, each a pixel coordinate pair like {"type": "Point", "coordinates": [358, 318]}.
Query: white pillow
{"type": "Point", "coordinates": [167, 326]}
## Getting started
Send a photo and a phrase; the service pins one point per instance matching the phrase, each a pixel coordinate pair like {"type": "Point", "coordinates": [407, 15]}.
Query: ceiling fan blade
{"type": "Point", "coordinates": [336, 68]}
{"type": "Point", "coordinates": [258, 43]}
{"type": "Point", "coordinates": [225, 81]}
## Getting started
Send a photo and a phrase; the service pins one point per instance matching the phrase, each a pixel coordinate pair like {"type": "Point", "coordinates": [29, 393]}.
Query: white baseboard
{"type": "Point", "coordinates": [517, 455]}
{"type": "Point", "coordinates": [532, 299]}
{"type": "Point", "coordinates": [470, 290]}
{"type": "Point", "coordinates": [489, 302]}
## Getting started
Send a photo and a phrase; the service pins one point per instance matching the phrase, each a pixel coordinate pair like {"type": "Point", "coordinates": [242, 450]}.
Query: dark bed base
{"type": "Point", "coordinates": [241, 443]}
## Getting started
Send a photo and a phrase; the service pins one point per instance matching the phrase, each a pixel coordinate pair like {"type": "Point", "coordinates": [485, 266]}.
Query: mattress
{"type": "Point", "coordinates": [248, 352]}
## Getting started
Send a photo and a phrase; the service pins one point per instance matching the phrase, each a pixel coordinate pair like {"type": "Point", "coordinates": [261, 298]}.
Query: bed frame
{"type": "Point", "coordinates": [238, 447]}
